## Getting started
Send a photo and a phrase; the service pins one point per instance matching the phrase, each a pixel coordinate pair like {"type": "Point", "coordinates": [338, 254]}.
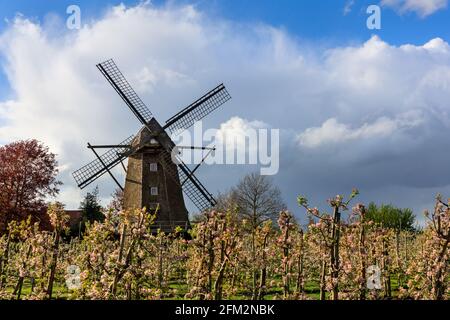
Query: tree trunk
{"type": "Point", "coordinates": [119, 260]}
{"type": "Point", "coordinates": [4, 261]}
{"type": "Point", "coordinates": [398, 258]}
{"type": "Point", "coordinates": [129, 290]}
{"type": "Point", "coordinates": [322, 280]}
{"type": "Point", "coordinates": [263, 275]}
{"type": "Point", "coordinates": [262, 284]}
{"type": "Point", "coordinates": [218, 284]}
{"type": "Point", "coordinates": [363, 265]}
{"type": "Point", "coordinates": [219, 280]}
{"type": "Point", "coordinates": [234, 275]}
{"type": "Point", "coordinates": [299, 287]}
{"type": "Point", "coordinates": [211, 256]}
{"type": "Point", "coordinates": [334, 257]}
{"type": "Point", "coordinates": [53, 264]}
{"type": "Point", "coordinates": [254, 272]}
{"type": "Point", "coordinates": [386, 273]}
{"type": "Point", "coordinates": [286, 266]}
{"type": "Point", "coordinates": [18, 288]}
{"type": "Point", "coordinates": [160, 265]}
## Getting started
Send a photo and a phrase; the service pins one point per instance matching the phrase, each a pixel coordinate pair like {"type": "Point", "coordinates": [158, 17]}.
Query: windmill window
{"type": "Point", "coordinates": [154, 191]}
{"type": "Point", "coordinates": [153, 167]}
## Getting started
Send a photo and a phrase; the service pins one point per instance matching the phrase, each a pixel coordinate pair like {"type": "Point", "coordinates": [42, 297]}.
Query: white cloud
{"type": "Point", "coordinates": [391, 99]}
{"type": "Point", "coordinates": [237, 129]}
{"type": "Point", "coordinates": [234, 139]}
{"type": "Point", "coordinates": [331, 131]}
{"type": "Point", "coordinates": [422, 7]}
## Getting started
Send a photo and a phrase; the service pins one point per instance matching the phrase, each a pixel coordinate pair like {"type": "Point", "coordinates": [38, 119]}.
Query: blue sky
{"type": "Point", "coordinates": [355, 107]}
{"type": "Point", "coordinates": [308, 19]}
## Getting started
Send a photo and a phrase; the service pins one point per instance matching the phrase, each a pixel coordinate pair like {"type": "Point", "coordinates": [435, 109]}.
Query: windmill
{"type": "Point", "coordinates": [156, 177]}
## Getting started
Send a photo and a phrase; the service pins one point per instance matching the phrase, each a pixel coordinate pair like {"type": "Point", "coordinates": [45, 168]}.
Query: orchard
{"type": "Point", "coordinates": [340, 254]}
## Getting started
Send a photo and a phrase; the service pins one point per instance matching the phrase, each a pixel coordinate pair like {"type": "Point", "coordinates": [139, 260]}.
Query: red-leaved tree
{"type": "Point", "coordinates": [28, 173]}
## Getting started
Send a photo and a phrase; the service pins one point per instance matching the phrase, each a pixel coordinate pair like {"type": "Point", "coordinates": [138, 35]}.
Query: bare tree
{"type": "Point", "coordinates": [226, 202]}
{"type": "Point", "coordinates": [257, 199]}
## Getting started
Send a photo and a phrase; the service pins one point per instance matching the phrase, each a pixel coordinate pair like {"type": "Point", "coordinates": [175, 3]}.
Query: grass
{"type": "Point", "coordinates": [311, 290]}
{"type": "Point", "coordinates": [60, 290]}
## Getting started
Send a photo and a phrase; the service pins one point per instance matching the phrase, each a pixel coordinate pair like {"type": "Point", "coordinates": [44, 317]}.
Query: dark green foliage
{"type": "Point", "coordinates": [391, 217]}
{"type": "Point", "coordinates": [91, 208]}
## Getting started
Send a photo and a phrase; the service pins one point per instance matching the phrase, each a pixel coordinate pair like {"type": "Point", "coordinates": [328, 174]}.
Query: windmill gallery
{"type": "Point", "coordinates": [156, 177]}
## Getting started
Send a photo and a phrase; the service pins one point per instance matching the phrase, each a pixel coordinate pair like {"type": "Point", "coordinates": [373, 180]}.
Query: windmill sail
{"type": "Point", "coordinates": [198, 109]}
{"type": "Point", "coordinates": [95, 169]}
{"type": "Point", "coordinates": [125, 91]}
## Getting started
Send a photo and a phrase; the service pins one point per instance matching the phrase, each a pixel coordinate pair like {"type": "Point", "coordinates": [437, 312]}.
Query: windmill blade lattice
{"type": "Point", "coordinates": [126, 92]}
{"type": "Point", "coordinates": [198, 109]}
{"type": "Point", "coordinates": [95, 169]}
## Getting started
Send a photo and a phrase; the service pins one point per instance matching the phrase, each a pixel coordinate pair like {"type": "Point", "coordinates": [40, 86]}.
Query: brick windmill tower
{"type": "Point", "coordinates": [156, 177]}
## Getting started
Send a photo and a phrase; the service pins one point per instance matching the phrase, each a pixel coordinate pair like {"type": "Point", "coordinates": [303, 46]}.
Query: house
{"type": "Point", "coordinates": [75, 217]}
